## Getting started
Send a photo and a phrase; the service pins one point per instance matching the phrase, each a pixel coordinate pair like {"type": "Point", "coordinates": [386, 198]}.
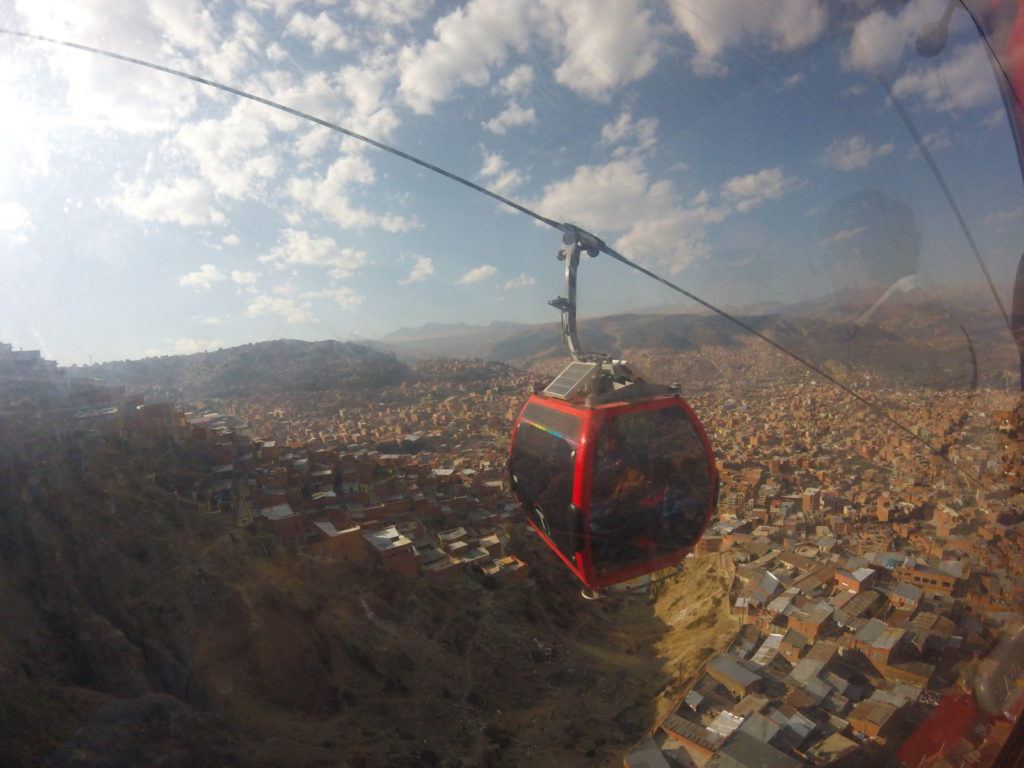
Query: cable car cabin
{"type": "Point", "coordinates": [619, 484]}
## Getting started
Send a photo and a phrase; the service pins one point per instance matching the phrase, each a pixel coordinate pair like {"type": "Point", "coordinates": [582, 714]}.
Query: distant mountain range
{"type": "Point", "coordinates": [251, 369]}
{"type": "Point", "coordinates": [911, 340]}
{"type": "Point", "coordinates": [455, 340]}
{"type": "Point", "coordinates": [447, 329]}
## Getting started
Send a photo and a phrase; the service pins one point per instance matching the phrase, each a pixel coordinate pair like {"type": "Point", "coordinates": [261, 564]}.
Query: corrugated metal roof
{"type": "Point", "coordinates": [730, 668]}
{"type": "Point", "coordinates": [760, 727]}
{"type": "Point", "coordinates": [725, 724]}
{"type": "Point", "coordinates": [646, 754]}
{"type": "Point", "coordinates": [769, 650]}
{"type": "Point", "coordinates": [277, 512]}
{"type": "Point", "coordinates": [744, 751]}
{"type": "Point", "coordinates": [692, 731]}
{"type": "Point", "coordinates": [386, 538]}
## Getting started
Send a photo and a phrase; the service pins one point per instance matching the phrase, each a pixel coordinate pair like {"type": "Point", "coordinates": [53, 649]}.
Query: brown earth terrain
{"type": "Point", "coordinates": [137, 630]}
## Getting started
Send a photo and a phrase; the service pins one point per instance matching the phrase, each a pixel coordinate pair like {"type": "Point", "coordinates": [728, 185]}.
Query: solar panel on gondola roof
{"type": "Point", "coordinates": [571, 380]}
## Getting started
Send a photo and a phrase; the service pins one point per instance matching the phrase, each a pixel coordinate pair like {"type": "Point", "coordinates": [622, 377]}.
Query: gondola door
{"type": "Point", "coordinates": [546, 468]}
{"type": "Point", "coordinates": [650, 489]}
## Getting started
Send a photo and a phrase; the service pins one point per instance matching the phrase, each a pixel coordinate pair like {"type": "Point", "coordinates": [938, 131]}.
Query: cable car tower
{"type": "Point", "coordinates": [616, 474]}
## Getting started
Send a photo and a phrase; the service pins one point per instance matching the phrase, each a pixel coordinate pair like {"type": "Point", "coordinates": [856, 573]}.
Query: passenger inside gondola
{"type": "Point", "coordinates": [620, 500]}
{"type": "Point", "coordinates": [650, 492]}
{"type": "Point", "coordinates": [684, 503]}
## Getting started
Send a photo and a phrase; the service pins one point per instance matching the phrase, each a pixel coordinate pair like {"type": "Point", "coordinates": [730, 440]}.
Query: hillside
{"type": "Point", "coordinates": [137, 630]}
{"type": "Point", "coordinates": [916, 343]}
{"type": "Point", "coordinates": [458, 340]}
{"type": "Point", "coordinates": [251, 369]}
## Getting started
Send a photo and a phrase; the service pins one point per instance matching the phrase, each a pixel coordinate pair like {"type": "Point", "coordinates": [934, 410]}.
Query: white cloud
{"type": "Point", "coordinates": [15, 223]}
{"type": "Point", "coordinates": [642, 133]}
{"type": "Point", "coordinates": [795, 79]}
{"type": "Point", "coordinates": [845, 234]}
{"type": "Point", "coordinates": [877, 43]}
{"type": "Point", "coordinates": [512, 116]}
{"type": "Point", "coordinates": [1001, 217]}
{"type": "Point", "coordinates": [364, 85]}
{"type": "Point", "coordinates": [499, 177]}
{"type": "Point", "coordinates": [422, 268]}
{"type": "Point", "coordinates": [343, 296]}
{"type": "Point", "coordinates": [601, 45]}
{"type": "Point", "coordinates": [286, 289]}
{"type": "Point", "coordinates": [962, 80]}
{"type": "Point", "coordinates": [297, 248]}
{"type": "Point", "coordinates": [187, 23]}
{"type": "Point", "coordinates": [193, 346]}
{"type": "Point", "coordinates": [477, 274]}
{"type": "Point", "coordinates": [211, 320]}
{"type": "Point", "coordinates": [519, 281]}
{"type": "Point", "coordinates": [207, 275]}
{"type": "Point", "coordinates": [605, 43]}
{"type": "Point", "coordinates": [227, 59]}
{"type": "Point", "coordinates": [313, 142]}
{"type": "Point", "coordinates": [27, 136]}
{"type": "Point", "coordinates": [879, 40]}
{"type": "Point", "coordinates": [518, 80]}
{"type": "Point", "coordinates": [995, 119]}
{"type": "Point", "coordinates": [494, 164]}
{"type": "Point", "coordinates": [182, 201]}
{"type": "Point", "coordinates": [753, 189]}
{"type": "Point", "coordinates": [620, 196]}
{"type": "Point", "coordinates": [279, 7]}
{"type": "Point", "coordinates": [851, 152]}
{"type": "Point", "coordinates": [506, 182]}
{"type": "Point", "coordinates": [390, 12]}
{"type": "Point", "coordinates": [14, 217]}
{"type": "Point", "coordinates": [938, 140]}
{"type": "Point", "coordinates": [959, 79]}
{"type": "Point", "coordinates": [321, 33]}
{"type": "Point", "coordinates": [233, 153]}
{"type": "Point", "coordinates": [244, 278]}
{"type": "Point", "coordinates": [231, 240]}
{"type": "Point", "coordinates": [467, 43]}
{"type": "Point", "coordinates": [367, 87]}
{"type": "Point", "coordinates": [315, 92]}
{"type": "Point", "coordinates": [101, 92]}
{"type": "Point", "coordinates": [330, 196]}
{"type": "Point", "coordinates": [714, 28]}
{"type": "Point", "coordinates": [285, 307]}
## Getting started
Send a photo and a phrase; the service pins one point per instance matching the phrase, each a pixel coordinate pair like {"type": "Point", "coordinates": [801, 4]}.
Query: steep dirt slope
{"type": "Point", "coordinates": [135, 629]}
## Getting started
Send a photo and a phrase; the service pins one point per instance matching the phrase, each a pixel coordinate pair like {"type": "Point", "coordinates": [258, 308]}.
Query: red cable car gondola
{"type": "Point", "coordinates": [615, 474]}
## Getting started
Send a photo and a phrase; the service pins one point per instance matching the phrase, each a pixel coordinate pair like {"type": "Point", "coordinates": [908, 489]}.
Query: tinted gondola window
{"type": "Point", "coordinates": [542, 466]}
{"type": "Point", "coordinates": [651, 487]}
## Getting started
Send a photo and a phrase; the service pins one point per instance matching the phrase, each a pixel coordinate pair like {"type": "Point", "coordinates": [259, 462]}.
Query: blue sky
{"type": "Point", "coordinates": [142, 214]}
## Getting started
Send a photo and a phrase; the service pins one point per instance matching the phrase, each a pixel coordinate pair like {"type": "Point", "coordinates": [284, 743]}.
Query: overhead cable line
{"type": "Point", "coordinates": [567, 229]}
{"type": "Point", "coordinates": [290, 110]}
{"type": "Point", "coordinates": [793, 355]}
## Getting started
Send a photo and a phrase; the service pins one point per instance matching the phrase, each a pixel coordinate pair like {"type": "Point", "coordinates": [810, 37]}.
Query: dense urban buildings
{"type": "Point", "coordinates": [878, 574]}
{"type": "Point", "coordinates": [877, 565]}
{"type": "Point", "coordinates": [878, 555]}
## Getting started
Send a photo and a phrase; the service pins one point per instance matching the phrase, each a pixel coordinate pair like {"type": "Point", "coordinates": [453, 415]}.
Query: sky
{"type": "Point", "coordinates": [742, 148]}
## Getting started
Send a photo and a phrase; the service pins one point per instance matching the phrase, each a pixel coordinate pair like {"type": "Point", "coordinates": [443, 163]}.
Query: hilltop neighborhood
{"type": "Point", "coordinates": [877, 568]}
